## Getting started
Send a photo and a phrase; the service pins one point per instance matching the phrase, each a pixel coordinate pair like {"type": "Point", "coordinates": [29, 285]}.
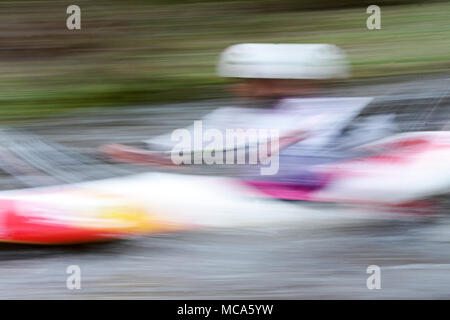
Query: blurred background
{"type": "Point", "coordinates": [141, 68]}
{"type": "Point", "coordinates": [134, 52]}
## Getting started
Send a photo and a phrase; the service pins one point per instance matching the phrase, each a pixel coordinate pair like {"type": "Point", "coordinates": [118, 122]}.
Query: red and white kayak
{"type": "Point", "coordinates": [417, 169]}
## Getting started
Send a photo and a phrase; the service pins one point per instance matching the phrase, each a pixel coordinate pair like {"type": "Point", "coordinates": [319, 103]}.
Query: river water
{"type": "Point", "coordinates": [266, 262]}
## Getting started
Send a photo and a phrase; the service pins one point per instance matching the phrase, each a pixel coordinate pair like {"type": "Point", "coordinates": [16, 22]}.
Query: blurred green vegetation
{"type": "Point", "coordinates": [130, 52]}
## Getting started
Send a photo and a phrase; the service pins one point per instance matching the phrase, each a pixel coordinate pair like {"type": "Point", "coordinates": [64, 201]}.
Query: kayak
{"type": "Point", "coordinates": [401, 172]}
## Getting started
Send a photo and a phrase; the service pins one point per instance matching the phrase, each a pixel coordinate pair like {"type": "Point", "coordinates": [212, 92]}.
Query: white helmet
{"type": "Point", "coordinates": [283, 61]}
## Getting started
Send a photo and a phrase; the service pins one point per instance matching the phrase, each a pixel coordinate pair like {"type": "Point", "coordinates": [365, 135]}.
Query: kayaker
{"type": "Point", "coordinates": [279, 86]}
